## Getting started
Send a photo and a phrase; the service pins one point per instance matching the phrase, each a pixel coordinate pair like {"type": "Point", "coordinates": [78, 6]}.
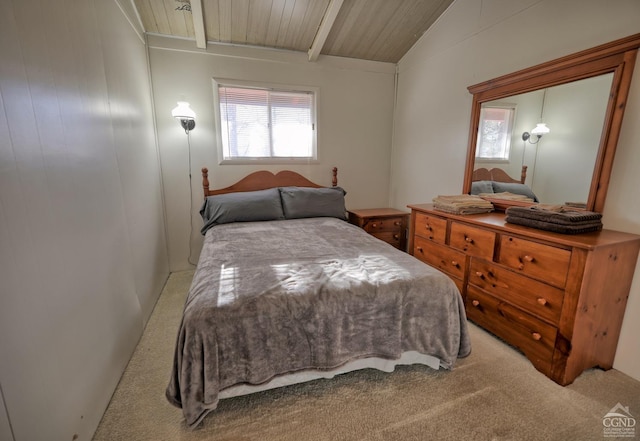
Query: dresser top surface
{"type": "Point", "coordinates": [379, 212]}
{"type": "Point", "coordinates": [497, 221]}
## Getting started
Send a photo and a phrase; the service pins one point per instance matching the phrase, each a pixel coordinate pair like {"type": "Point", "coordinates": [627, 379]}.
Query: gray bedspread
{"type": "Point", "coordinates": [269, 298]}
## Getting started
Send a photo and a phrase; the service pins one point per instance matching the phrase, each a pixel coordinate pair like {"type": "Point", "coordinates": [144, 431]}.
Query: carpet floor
{"type": "Point", "coordinates": [493, 394]}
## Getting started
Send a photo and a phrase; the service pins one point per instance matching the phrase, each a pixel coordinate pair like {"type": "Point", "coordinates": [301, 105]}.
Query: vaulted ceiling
{"type": "Point", "coordinates": [378, 30]}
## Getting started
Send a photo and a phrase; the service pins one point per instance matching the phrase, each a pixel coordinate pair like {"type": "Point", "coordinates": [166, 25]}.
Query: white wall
{"type": "Point", "coordinates": [82, 243]}
{"type": "Point", "coordinates": [355, 114]}
{"type": "Point", "coordinates": [476, 41]}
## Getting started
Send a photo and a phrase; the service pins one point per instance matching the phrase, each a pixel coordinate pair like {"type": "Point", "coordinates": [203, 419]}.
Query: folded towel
{"type": "Point", "coordinates": [507, 196]}
{"type": "Point", "coordinates": [462, 204]}
{"type": "Point", "coordinates": [586, 227]}
{"type": "Point", "coordinates": [462, 200]}
{"type": "Point", "coordinates": [576, 204]}
{"type": "Point", "coordinates": [462, 210]}
{"type": "Point", "coordinates": [551, 207]}
{"type": "Point", "coordinates": [563, 217]}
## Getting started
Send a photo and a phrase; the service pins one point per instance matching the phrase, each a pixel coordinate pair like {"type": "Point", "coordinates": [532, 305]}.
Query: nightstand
{"type": "Point", "coordinates": [387, 224]}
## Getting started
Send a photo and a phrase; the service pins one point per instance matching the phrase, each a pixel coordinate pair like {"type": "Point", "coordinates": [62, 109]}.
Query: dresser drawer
{"type": "Point", "coordinates": [541, 300]}
{"type": "Point", "coordinates": [390, 237]}
{"type": "Point", "coordinates": [473, 241]}
{"type": "Point", "coordinates": [445, 259]}
{"type": "Point", "coordinates": [431, 227]}
{"type": "Point", "coordinates": [534, 337]}
{"type": "Point", "coordinates": [380, 224]}
{"type": "Point", "coordinates": [386, 224]}
{"type": "Point", "coordinates": [459, 283]}
{"type": "Point", "coordinates": [543, 262]}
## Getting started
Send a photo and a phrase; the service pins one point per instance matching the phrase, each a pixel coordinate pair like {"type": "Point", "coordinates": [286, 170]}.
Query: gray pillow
{"type": "Point", "coordinates": [478, 187]}
{"type": "Point", "coordinates": [299, 202]}
{"type": "Point", "coordinates": [247, 206]}
{"type": "Point", "coordinates": [516, 188]}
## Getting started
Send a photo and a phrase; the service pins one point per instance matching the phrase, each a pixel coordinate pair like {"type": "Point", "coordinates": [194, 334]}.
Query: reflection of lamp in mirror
{"type": "Point", "coordinates": [539, 130]}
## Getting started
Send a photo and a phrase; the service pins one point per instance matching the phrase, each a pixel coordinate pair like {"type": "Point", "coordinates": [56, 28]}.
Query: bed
{"type": "Point", "coordinates": [498, 175]}
{"type": "Point", "coordinates": [496, 186]}
{"type": "Point", "coordinates": [304, 295]}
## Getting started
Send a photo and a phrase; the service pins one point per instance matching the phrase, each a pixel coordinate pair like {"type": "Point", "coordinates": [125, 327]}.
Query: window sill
{"type": "Point", "coordinates": [274, 161]}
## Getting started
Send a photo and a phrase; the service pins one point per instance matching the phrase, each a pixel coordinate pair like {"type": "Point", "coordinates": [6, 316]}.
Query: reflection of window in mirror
{"type": "Point", "coordinates": [494, 132]}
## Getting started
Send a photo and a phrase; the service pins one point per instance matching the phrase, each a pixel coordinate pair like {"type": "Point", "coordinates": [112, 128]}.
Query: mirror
{"type": "Point", "coordinates": [581, 99]}
{"type": "Point", "coordinates": [574, 113]}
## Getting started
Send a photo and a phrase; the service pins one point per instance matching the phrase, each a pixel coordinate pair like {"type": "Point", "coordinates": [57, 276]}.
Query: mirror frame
{"type": "Point", "coordinates": [617, 56]}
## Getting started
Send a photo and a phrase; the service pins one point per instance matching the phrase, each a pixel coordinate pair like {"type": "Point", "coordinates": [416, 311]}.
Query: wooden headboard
{"type": "Point", "coordinates": [498, 175]}
{"type": "Point", "coordinates": [261, 180]}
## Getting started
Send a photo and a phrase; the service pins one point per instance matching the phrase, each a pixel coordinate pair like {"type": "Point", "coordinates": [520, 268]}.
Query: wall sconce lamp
{"type": "Point", "coordinates": [186, 115]}
{"type": "Point", "coordinates": [539, 130]}
{"type": "Point", "coordinates": [187, 118]}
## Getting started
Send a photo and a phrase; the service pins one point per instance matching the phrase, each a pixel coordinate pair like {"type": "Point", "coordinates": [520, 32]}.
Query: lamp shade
{"type": "Point", "coordinates": [540, 129]}
{"type": "Point", "coordinates": [183, 111]}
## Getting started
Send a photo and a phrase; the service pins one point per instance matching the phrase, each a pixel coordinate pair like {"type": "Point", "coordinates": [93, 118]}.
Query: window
{"type": "Point", "coordinates": [494, 132]}
{"type": "Point", "coordinates": [265, 123]}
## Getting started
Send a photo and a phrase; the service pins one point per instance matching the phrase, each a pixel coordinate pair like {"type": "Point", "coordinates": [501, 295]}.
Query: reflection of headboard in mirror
{"type": "Point", "coordinates": [498, 175]}
{"type": "Point", "coordinates": [617, 57]}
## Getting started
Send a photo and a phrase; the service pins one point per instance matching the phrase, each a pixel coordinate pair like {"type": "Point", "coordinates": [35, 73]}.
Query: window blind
{"type": "Point", "coordinates": [264, 123]}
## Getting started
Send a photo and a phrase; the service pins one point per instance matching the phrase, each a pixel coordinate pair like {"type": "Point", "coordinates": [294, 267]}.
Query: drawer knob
{"type": "Point", "coordinates": [526, 258]}
{"type": "Point", "coordinates": [475, 303]}
{"type": "Point", "coordinates": [455, 263]}
{"type": "Point", "coordinates": [396, 237]}
{"type": "Point", "coordinates": [427, 227]}
{"type": "Point", "coordinates": [536, 336]}
{"type": "Point", "coordinates": [374, 225]}
{"type": "Point", "coordinates": [468, 239]}
{"type": "Point", "coordinates": [420, 249]}
{"type": "Point", "coordinates": [542, 301]}
{"type": "Point", "coordinates": [479, 274]}
{"type": "Point", "coordinates": [397, 223]}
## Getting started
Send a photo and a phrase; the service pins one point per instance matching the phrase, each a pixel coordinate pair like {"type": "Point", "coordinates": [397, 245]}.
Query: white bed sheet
{"type": "Point", "coordinates": [381, 364]}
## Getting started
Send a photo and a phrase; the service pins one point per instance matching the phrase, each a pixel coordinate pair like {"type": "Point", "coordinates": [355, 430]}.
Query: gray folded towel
{"type": "Point", "coordinates": [563, 216]}
{"type": "Point", "coordinates": [576, 228]}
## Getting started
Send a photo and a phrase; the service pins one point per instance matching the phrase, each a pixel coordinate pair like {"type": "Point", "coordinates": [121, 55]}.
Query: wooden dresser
{"type": "Point", "coordinates": [559, 298]}
{"type": "Point", "coordinates": [387, 224]}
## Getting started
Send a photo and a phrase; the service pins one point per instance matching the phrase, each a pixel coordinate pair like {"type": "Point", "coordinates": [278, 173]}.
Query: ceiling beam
{"type": "Point", "coordinates": [325, 27]}
{"type": "Point", "coordinates": [198, 23]}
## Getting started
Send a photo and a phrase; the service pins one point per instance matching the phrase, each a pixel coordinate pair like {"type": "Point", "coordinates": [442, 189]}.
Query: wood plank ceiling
{"type": "Point", "coordinates": [378, 30]}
